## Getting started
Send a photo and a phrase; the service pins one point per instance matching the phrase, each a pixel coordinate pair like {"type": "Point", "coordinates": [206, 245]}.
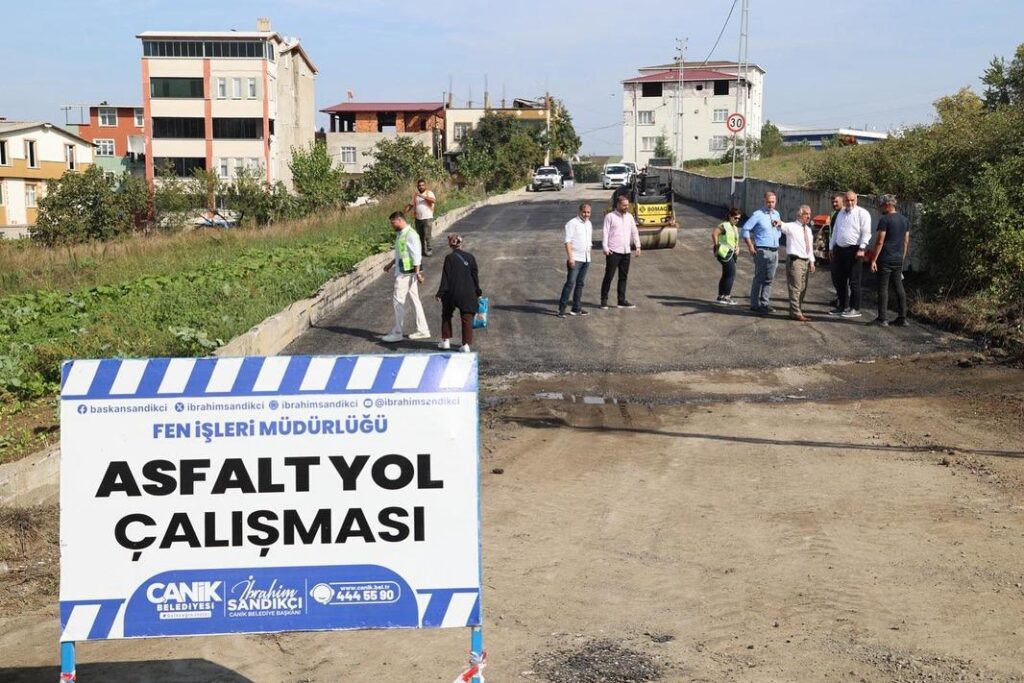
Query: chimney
{"type": "Point", "coordinates": [263, 24]}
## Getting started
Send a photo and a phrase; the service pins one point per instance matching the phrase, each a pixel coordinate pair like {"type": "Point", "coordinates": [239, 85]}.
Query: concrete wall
{"type": "Point", "coordinates": [750, 197]}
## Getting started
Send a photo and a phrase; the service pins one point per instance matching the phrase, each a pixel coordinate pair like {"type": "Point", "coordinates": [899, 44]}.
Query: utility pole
{"type": "Point", "coordinates": [742, 96]}
{"type": "Point", "coordinates": [547, 137]}
{"type": "Point", "coordinates": [680, 100]}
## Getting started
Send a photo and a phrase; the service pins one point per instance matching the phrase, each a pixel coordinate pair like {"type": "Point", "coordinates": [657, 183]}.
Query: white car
{"type": "Point", "coordinates": [615, 175]}
{"type": "Point", "coordinates": [546, 178]}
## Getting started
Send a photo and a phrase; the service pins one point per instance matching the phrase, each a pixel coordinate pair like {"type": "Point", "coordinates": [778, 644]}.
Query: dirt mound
{"type": "Point", "coordinates": [598, 661]}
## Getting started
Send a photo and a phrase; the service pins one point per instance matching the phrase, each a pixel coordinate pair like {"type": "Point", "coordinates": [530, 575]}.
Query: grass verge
{"type": "Point", "coordinates": [180, 295]}
{"type": "Point", "coordinates": [785, 167]}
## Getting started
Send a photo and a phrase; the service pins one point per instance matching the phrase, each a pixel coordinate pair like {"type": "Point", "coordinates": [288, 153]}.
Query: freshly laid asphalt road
{"type": "Point", "coordinates": [676, 325]}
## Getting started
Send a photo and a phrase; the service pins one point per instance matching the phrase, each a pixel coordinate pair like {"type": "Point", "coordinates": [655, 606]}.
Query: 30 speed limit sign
{"type": "Point", "coordinates": [735, 123]}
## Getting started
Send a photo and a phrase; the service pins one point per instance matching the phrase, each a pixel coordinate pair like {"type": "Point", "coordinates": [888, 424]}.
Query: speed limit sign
{"type": "Point", "coordinates": [735, 123]}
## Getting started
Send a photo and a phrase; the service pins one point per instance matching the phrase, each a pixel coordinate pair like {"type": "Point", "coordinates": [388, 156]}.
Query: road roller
{"type": "Point", "coordinates": [650, 202]}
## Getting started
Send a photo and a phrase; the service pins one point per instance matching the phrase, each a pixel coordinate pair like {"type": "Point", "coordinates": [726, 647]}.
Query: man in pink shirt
{"type": "Point", "coordinates": [620, 234]}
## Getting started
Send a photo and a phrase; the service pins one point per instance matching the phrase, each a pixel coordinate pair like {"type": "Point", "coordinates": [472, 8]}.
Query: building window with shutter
{"type": "Point", "coordinates": [348, 155]}
{"type": "Point", "coordinates": [645, 118]}
{"type": "Point", "coordinates": [108, 117]}
{"type": "Point", "coordinates": [719, 115]}
{"type": "Point", "coordinates": [718, 143]}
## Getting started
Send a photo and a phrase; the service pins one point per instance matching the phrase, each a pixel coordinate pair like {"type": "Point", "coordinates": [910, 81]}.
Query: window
{"type": "Point", "coordinates": [460, 130]}
{"type": "Point", "coordinates": [645, 118]}
{"type": "Point", "coordinates": [140, 117]}
{"type": "Point", "coordinates": [104, 148]}
{"type": "Point", "coordinates": [238, 129]}
{"type": "Point", "coordinates": [348, 155]}
{"type": "Point", "coordinates": [69, 157]}
{"type": "Point", "coordinates": [30, 196]}
{"type": "Point", "coordinates": [108, 117]}
{"type": "Point", "coordinates": [648, 144]}
{"type": "Point", "coordinates": [222, 88]}
{"type": "Point", "coordinates": [170, 127]}
{"type": "Point", "coordinates": [719, 115]}
{"type": "Point", "coordinates": [252, 88]}
{"type": "Point", "coordinates": [718, 143]}
{"type": "Point", "coordinates": [239, 165]}
{"type": "Point", "coordinates": [222, 167]}
{"type": "Point", "coordinates": [209, 48]}
{"type": "Point", "coordinates": [1, 192]}
{"type": "Point", "coordinates": [721, 87]}
{"type": "Point", "coordinates": [30, 154]}
{"type": "Point", "coordinates": [650, 90]}
{"type": "Point", "coordinates": [236, 88]}
{"type": "Point", "coordinates": [4, 161]}
{"type": "Point", "coordinates": [179, 166]}
{"type": "Point", "coordinates": [191, 88]}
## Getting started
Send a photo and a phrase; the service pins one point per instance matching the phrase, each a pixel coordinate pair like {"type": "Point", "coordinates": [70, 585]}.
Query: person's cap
{"type": "Point", "coordinates": [887, 199]}
{"type": "Point", "coordinates": [454, 240]}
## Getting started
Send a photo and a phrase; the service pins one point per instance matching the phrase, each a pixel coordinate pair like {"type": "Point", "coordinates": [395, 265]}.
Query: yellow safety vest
{"type": "Point", "coordinates": [402, 247]}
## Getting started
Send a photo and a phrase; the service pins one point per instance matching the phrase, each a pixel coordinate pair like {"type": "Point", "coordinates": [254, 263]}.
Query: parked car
{"type": "Point", "coordinates": [546, 178]}
{"type": "Point", "coordinates": [564, 167]}
{"type": "Point", "coordinates": [615, 175]}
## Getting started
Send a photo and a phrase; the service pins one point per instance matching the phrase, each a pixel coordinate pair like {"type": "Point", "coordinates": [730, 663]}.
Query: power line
{"type": "Point", "coordinates": [720, 33]}
{"type": "Point", "coordinates": [591, 130]}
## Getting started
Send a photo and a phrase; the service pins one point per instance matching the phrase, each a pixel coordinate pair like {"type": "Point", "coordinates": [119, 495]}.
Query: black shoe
{"type": "Point", "coordinates": [879, 322]}
{"type": "Point", "coordinates": [767, 309]}
{"type": "Point", "coordinates": [901, 322]}
{"type": "Point", "coordinates": [561, 313]}
{"type": "Point", "coordinates": [626, 304]}
{"type": "Point", "coordinates": [579, 312]}
{"type": "Point", "coordinates": [604, 306]}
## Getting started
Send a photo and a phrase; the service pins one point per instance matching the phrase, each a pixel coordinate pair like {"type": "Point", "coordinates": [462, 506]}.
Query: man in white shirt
{"type": "Point", "coordinates": [408, 276]}
{"type": "Point", "coordinates": [423, 205]}
{"type": "Point", "coordinates": [850, 236]}
{"type": "Point", "coordinates": [578, 243]}
{"type": "Point", "coordinates": [799, 260]}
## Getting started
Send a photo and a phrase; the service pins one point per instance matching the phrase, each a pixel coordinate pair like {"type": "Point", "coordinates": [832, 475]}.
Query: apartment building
{"type": "Point", "coordinates": [688, 111]}
{"type": "Point", "coordinates": [226, 100]}
{"type": "Point", "coordinates": [117, 134]}
{"type": "Point", "coordinates": [357, 127]}
{"type": "Point", "coordinates": [32, 152]}
{"type": "Point", "coordinates": [458, 121]}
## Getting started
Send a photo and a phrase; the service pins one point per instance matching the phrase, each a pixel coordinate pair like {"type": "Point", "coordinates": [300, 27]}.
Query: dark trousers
{"type": "Point", "coordinates": [574, 279]}
{"type": "Point", "coordinates": [728, 277]}
{"type": "Point", "coordinates": [894, 272]}
{"type": "Point", "coordinates": [425, 226]}
{"type": "Point", "coordinates": [446, 324]}
{"type": "Point", "coordinates": [846, 274]}
{"type": "Point", "coordinates": [615, 262]}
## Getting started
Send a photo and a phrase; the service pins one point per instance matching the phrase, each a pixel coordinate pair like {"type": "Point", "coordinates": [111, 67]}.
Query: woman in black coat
{"type": "Point", "coordinates": [460, 288]}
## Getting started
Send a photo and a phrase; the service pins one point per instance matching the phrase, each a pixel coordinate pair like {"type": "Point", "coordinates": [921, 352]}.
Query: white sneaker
{"type": "Point", "coordinates": [419, 335]}
{"type": "Point", "coordinates": [392, 337]}
{"type": "Point", "coordinates": [850, 313]}
{"type": "Point", "coordinates": [464, 348]}
{"type": "Point", "coordinates": [444, 345]}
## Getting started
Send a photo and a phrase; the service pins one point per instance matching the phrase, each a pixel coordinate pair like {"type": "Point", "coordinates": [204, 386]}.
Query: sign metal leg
{"type": "Point", "coordinates": [476, 647]}
{"type": "Point", "coordinates": [67, 662]}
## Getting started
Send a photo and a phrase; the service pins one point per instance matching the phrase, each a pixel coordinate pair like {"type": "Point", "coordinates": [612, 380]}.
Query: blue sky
{"type": "Point", "coordinates": [829, 62]}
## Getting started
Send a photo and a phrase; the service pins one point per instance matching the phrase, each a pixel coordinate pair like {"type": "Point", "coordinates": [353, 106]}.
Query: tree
{"type": "Point", "coordinates": [1004, 82]}
{"type": "Point", "coordinates": [317, 181]}
{"type": "Point", "coordinates": [662, 150]}
{"type": "Point", "coordinates": [79, 207]}
{"type": "Point", "coordinates": [501, 151]}
{"type": "Point", "coordinates": [771, 139]}
{"type": "Point", "coordinates": [398, 162]}
{"type": "Point", "coordinates": [564, 142]}
{"type": "Point", "coordinates": [247, 195]}
{"type": "Point", "coordinates": [174, 198]}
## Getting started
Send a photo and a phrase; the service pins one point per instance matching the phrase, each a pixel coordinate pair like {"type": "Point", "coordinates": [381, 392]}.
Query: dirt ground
{"type": "Point", "coordinates": [842, 522]}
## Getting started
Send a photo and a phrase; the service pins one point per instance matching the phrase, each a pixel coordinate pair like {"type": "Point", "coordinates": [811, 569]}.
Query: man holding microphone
{"type": "Point", "coordinates": [761, 234]}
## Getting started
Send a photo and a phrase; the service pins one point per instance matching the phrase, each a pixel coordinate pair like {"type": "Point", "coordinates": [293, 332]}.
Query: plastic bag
{"type": "Point", "coordinates": [480, 319]}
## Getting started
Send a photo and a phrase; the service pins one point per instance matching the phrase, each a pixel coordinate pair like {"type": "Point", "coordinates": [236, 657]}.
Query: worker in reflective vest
{"type": "Point", "coordinates": [408, 276]}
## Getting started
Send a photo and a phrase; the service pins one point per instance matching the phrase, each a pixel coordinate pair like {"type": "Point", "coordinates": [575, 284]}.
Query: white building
{"type": "Point", "coordinates": [357, 127]}
{"type": "Point", "coordinates": [695, 122]}
{"type": "Point", "coordinates": [224, 100]}
{"type": "Point", "coordinates": [32, 153]}
{"type": "Point", "coordinates": [814, 137]}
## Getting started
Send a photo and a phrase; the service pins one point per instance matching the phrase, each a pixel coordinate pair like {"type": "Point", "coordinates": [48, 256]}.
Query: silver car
{"type": "Point", "coordinates": [615, 175]}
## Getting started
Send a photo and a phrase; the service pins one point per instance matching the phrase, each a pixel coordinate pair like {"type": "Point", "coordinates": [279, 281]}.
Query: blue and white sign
{"type": "Point", "coordinates": [254, 495]}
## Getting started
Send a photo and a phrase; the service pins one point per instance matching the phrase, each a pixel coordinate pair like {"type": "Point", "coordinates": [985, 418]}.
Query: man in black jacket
{"type": "Point", "coordinates": [460, 288]}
